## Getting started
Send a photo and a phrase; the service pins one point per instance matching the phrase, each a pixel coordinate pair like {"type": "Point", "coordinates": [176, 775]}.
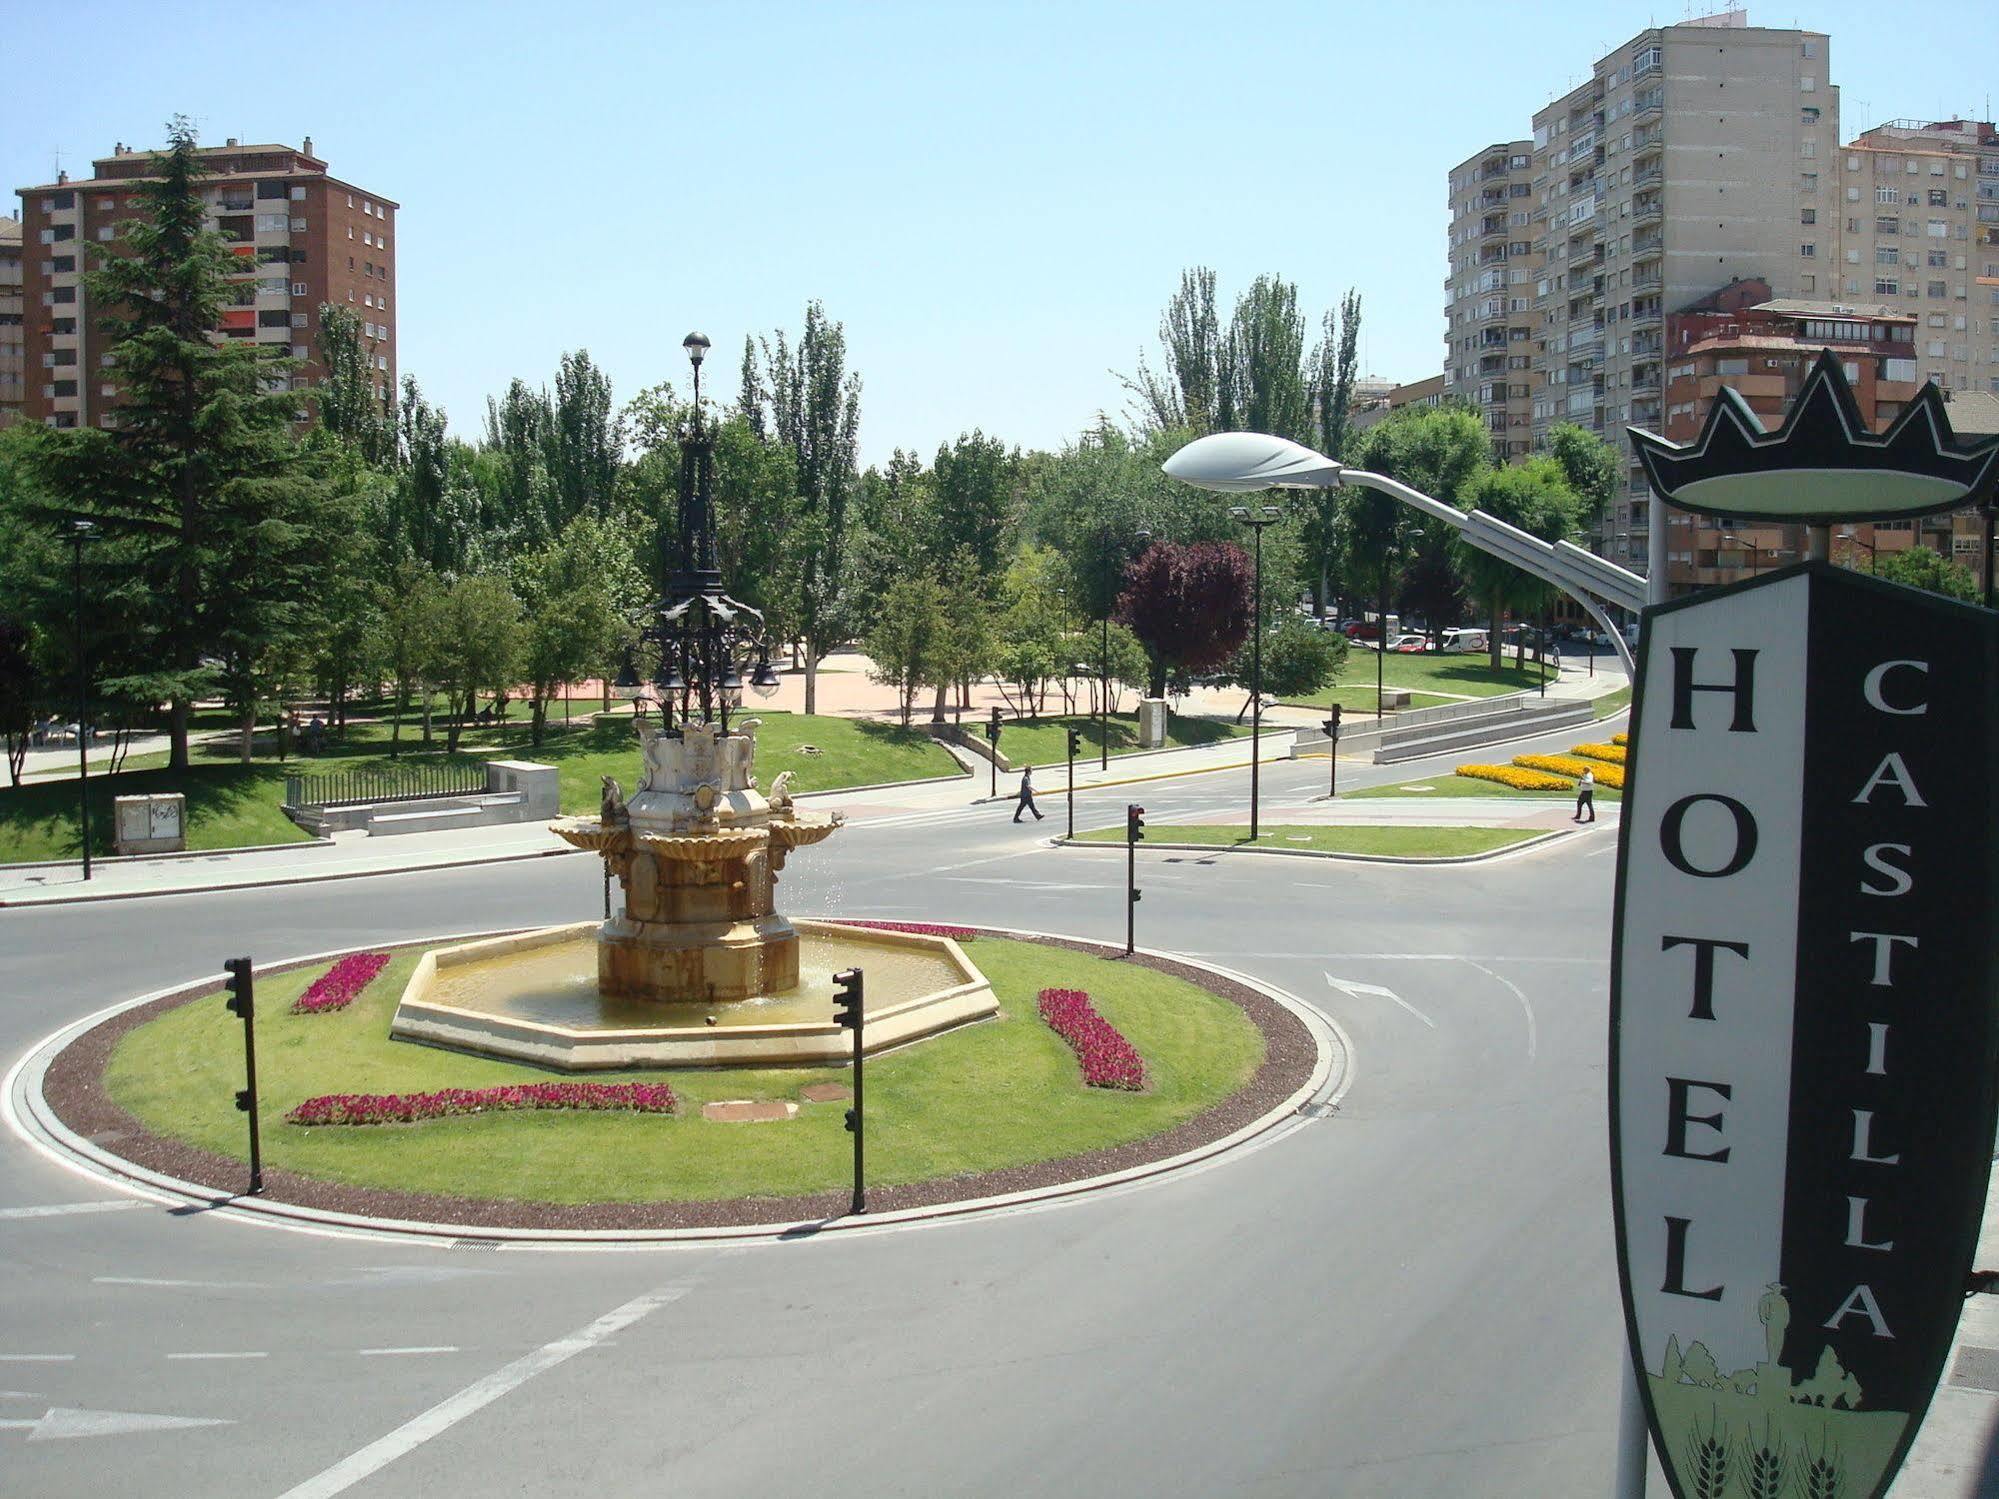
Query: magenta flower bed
{"type": "Point", "coordinates": [407, 1108]}
{"type": "Point", "coordinates": [918, 928]}
{"type": "Point", "coordinates": [335, 989]}
{"type": "Point", "coordinates": [1108, 1060]}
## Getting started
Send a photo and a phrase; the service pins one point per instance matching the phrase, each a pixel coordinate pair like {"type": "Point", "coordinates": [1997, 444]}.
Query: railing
{"type": "Point", "coordinates": [405, 783]}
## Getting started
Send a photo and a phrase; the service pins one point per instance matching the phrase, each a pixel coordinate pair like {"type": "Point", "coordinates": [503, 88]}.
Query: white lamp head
{"type": "Point", "coordinates": [1239, 462]}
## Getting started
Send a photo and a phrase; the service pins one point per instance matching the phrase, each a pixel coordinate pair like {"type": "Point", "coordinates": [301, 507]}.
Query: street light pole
{"type": "Point", "coordinates": [1267, 515]}
{"type": "Point", "coordinates": [80, 532]}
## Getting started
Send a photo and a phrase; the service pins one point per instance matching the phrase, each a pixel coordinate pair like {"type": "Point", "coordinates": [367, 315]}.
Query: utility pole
{"type": "Point", "coordinates": [992, 739]}
{"type": "Point", "coordinates": [1257, 521]}
{"type": "Point", "coordinates": [243, 1002]}
{"type": "Point", "coordinates": [1075, 742]}
{"type": "Point", "coordinates": [1332, 728]}
{"type": "Point", "coordinates": [1134, 831]}
{"type": "Point", "coordinates": [848, 1013]}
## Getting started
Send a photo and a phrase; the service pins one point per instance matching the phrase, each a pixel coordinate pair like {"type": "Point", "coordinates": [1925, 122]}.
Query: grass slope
{"type": "Point", "coordinates": [1396, 842]}
{"type": "Point", "coordinates": [998, 1094]}
{"type": "Point", "coordinates": [1044, 741]}
{"type": "Point", "coordinates": [1449, 786]}
{"type": "Point", "coordinates": [228, 806]}
{"type": "Point", "coordinates": [1433, 679]}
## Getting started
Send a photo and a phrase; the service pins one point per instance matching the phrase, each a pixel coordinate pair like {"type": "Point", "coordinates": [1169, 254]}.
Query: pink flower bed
{"type": "Point", "coordinates": [1108, 1060]}
{"type": "Point", "coordinates": [335, 989]}
{"type": "Point", "coordinates": [406, 1108]}
{"type": "Point", "coordinates": [919, 928]}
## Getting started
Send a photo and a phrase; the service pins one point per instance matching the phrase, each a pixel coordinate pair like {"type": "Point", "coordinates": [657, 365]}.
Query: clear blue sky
{"type": "Point", "coordinates": [996, 199]}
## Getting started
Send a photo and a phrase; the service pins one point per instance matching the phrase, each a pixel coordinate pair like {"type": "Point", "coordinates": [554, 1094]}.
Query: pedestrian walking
{"type": "Point", "coordinates": [1585, 798]}
{"type": "Point", "coordinates": [1027, 795]}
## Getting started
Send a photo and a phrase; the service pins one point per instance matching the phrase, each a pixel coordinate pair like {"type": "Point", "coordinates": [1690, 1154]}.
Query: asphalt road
{"type": "Point", "coordinates": [1413, 1296]}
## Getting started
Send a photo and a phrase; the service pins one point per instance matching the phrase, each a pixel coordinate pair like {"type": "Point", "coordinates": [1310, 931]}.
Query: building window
{"type": "Point", "coordinates": [298, 320]}
{"type": "Point", "coordinates": [1809, 251]}
{"type": "Point", "coordinates": [300, 289]}
{"type": "Point", "coordinates": [1808, 182]}
{"type": "Point", "coordinates": [1936, 289]}
{"type": "Point", "coordinates": [1887, 195]}
{"type": "Point", "coordinates": [1887, 255]}
{"type": "Point", "coordinates": [1809, 115]}
{"type": "Point", "coordinates": [298, 194]}
{"type": "Point", "coordinates": [1807, 84]}
{"type": "Point", "coordinates": [1808, 283]}
{"type": "Point", "coordinates": [1809, 148]}
{"type": "Point", "coordinates": [1808, 216]}
{"type": "Point", "coordinates": [298, 226]}
{"type": "Point", "coordinates": [106, 232]}
{"type": "Point", "coordinates": [1887, 286]}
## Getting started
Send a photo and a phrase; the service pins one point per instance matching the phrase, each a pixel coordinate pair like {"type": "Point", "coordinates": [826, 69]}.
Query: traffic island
{"type": "Point", "coordinates": [996, 1108]}
{"type": "Point", "coordinates": [1333, 840]}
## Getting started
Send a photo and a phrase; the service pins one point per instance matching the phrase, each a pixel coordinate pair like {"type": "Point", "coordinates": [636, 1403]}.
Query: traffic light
{"type": "Point", "coordinates": [993, 725]}
{"type": "Point", "coordinates": [1332, 724]}
{"type": "Point", "coordinates": [1134, 824]}
{"type": "Point", "coordinates": [1075, 742]}
{"type": "Point", "coordinates": [241, 997]}
{"type": "Point", "coordinates": [847, 999]}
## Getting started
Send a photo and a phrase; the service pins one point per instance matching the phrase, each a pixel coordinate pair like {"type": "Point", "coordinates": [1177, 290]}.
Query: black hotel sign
{"type": "Point", "coordinates": [1805, 1021]}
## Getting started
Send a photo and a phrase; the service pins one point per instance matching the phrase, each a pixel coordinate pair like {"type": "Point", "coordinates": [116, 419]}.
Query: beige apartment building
{"type": "Point", "coordinates": [13, 359]}
{"type": "Point", "coordinates": [301, 239]}
{"type": "Point", "coordinates": [1489, 314]}
{"type": "Point", "coordinates": [1918, 204]}
{"type": "Point", "coordinates": [1694, 153]}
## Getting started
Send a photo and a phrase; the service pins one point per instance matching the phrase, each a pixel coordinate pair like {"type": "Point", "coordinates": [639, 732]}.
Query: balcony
{"type": "Point", "coordinates": [1647, 210]}
{"type": "Point", "coordinates": [1649, 176]}
{"type": "Point", "coordinates": [1647, 246]}
{"type": "Point", "coordinates": [1646, 279]}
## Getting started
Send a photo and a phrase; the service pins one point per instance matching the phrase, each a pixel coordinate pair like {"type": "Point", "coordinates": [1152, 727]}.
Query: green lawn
{"type": "Point", "coordinates": [1470, 786]}
{"type": "Point", "coordinates": [1441, 679]}
{"type": "Point", "coordinates": [997, 1094]}
{"type": "Point", "coordinates": [1613, 702]}
{"type": "Point", "coordinates": [1044, 741]}
{"type": "Point", "coordinates": [230, 804]}
{"type": "Point", "coordinates": [1396, 842]}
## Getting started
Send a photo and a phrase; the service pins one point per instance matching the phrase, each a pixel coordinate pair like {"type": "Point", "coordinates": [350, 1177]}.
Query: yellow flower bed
{"type": "Point", "coordinates": [1620, 739]}
{"type": "Point", "coordinates": [1573, 766]}
{"type": "Point", "coordinates": [1612, 753]}
{"type": "Point", "coordinates": [1515, 777]}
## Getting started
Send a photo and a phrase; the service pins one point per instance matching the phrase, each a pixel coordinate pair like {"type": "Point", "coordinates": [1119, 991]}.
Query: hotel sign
{"type": "Point", "coordinates": [1804, 1021]}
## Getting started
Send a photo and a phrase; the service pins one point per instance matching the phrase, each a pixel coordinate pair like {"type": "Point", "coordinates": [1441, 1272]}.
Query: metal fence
{"type": "Point", "coordinates": [405, 783]}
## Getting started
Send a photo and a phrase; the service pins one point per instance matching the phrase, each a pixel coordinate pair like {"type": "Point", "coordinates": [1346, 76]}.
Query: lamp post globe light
{"type": "Point", "coordinates": [1257, 520]}
{"type": "Point", "coordinates": [706, 640]}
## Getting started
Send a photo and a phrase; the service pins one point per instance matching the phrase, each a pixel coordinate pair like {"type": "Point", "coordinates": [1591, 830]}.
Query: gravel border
{"type": "Point", "coordinates": [73, 1088]}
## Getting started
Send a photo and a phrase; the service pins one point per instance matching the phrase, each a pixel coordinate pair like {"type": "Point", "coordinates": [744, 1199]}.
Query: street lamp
{"type": "Point", "coordinates": [707, 640]}
{"type": "Point", "coordinates": [1257, 520]}
{"type": "Point", "coordinates": [81, 531]}
{"type": "Point", "coordinates": [1850, 535]}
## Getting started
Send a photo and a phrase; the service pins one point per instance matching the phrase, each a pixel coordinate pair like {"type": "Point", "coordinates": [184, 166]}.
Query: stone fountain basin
{"type": "Point", "coordinates": [532, 997]}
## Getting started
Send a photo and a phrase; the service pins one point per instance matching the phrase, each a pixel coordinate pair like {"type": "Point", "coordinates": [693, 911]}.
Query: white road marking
{"type": "Point", "coordinates": [36, 1358]}
{"type": "Point", "coordinates": [177, 1285]}
{"type": "Point", "coordinates": [447, 1413]}
{"type": "Point", "coordinates": [397, 1352]}
{"type": "Point", "coordinates": [65, 1209]}
{"type": "Point", "coordinates": [974, 879]}
{"type": "Point", "coordinates": [244, 1354]}
{"type": "Point", "coordinates": [1357, 990]}
{"type": "Point", "coordinates": [1533, 1041]}
{"type": "Point", "coordinates": [64, 1424]}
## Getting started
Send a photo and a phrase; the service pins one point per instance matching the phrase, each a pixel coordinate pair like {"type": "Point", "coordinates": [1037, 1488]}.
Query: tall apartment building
{"type": "Point", "coordinates": [1919, 231]}
{"type": "Point", "coordinates": [13, 358]}
{"type": "Point", "coordinates": [302, 238]}
{"type": "Point", "coordinates": [1693, 154]}
{"type": "Point", "coordinates": [1489, 312]}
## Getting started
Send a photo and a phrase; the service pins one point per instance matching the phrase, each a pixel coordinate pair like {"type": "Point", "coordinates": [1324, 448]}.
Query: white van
{"type": "Point", "coordinates": [1467, 641]}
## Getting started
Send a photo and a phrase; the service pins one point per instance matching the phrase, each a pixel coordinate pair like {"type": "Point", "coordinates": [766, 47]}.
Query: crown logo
{"type": "Point", "coordinates": [1822, 465]}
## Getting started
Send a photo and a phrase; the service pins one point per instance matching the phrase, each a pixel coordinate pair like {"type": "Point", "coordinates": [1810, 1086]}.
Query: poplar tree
{"type": "Point", "coordinates": [207, 505]}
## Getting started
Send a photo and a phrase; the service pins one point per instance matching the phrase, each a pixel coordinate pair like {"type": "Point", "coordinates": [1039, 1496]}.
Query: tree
{"type": "Point", "coordinates": [20, 694]}
{"type": "Point", "coordinates": [476, 646]}
{"type": "Point", "coordinates": [966, 638]}
{"type": "Point", "coordinates": [407, 620]}
{"type": "Point", "coordinates": [1263, 367]}
{"type": "Point", "coordinates": [806, 399]}
{"type": "Point", "coordinates": [1438, 450]}
{"type": "Point", "coordinates": [517, 427]}
{"type": "Point", "coordinates": [1922, 567]}
{"type": "Point", "coordinates": [902, 641]}
{"type": "Point", "coordinates": [1589, 465]}
{"type": "Point", "coordinates": [1192, 393]}
{"type": "Point", "coordinates": [1534, 496]}
{"type": "Point", "coordinates": [1034, 628]}
{"type": "Point", "coordinates": [201, 488]}
{"type": "Point", "coordinates": [349, 409]}
{"type": "Point", "coordinates": [1124, 664]}
{"type": "Point", "coordinates": [583, 441]}
{"type": "Point", "coordinates": [1335, 364]}
{"type": "Point", "coordinates": [572, 625]}
{"type": "Point", "coordinates": [1189, 607]}
{"type": "Point", "coordinates": [1298, 659]}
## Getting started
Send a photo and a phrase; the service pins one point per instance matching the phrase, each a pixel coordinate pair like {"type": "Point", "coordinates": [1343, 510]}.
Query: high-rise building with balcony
{"type": "Point", "coordinates": [1919, 231]}
{"type": "Point", "coordinates": [302, 239]}
{"type": "Point", "coordinates": [1489, 313]}
{"type": "Point", "coordinates": [13, 357]}
{"type": "Point", "coordinates": [1693, 154]}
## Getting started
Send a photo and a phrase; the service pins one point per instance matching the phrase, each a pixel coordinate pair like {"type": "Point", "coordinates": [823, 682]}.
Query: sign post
{"type": "Point", "coordinates": [1804, 991]}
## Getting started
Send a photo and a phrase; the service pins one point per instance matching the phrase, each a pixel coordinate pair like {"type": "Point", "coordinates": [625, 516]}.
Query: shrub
{"type": "Point", "coordinates": [335, 989]}
{"type": "Point", "coordinates": [1573, 766]}
{"type": "Point", "coordinates": [1517, 778]}
{"type": "Point", "coordinates": [1108, 1060]}
{"type": "Point", "coordinates": [919, 928]}
{"type": "Point", "coordinates": [1620, 739]}
{"type": "Point", "coordinates": [406, 1108]}
{"type": "Point", "coordinates": [1610, 754]}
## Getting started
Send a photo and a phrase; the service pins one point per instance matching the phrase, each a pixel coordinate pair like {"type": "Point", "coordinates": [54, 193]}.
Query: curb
{"type": "Point", "coordinates": [1521, 847]}
{"type": "Point", "coordinates": [27, 1114]}
{"type": "Point", "coordinates": [186, 853]}
{"type": "Point", "coordinates": [1164, 775]}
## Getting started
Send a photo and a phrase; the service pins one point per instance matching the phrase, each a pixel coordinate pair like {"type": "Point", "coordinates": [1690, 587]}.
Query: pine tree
{"type": "Point", "coordinates": [201, 477]}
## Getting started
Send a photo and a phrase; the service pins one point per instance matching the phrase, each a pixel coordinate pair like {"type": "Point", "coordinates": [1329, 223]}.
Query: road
{"type": "Point", "coordinates": [1413, 1296]}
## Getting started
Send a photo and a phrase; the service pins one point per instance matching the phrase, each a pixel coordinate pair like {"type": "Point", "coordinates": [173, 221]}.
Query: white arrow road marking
{"type": "Point", "coordinates": [218, 1355]}
{"type": "Point", "coordinates": [63, 1424]}
{"type": "Point", "coordinates": [1533, 1042]}
{"type": "Point", "coordinates": [36, 1358]}
{"type": "Point", "coordinates": [394, 1352]}
{"type": "Point", "coordinates": [1357, 990]}
{"type": "Point", "coordinates": [177, 1285]}
{"type": "Point", "coordinates": [447, 1413]}
{"type": "Point", "coordinates": [65, 1209]}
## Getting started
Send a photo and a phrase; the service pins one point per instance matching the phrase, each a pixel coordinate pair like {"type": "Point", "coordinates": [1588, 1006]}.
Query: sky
{"type": "Point", "coordinates": [995, 199]}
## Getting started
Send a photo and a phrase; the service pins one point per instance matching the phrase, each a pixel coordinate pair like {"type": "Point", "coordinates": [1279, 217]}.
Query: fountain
{"type": "Point", "coordinates": [697, 967]}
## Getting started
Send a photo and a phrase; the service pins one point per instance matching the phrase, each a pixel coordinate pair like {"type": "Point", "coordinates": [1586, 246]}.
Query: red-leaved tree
{"type": "Point", "coordinates": [1189, 606]}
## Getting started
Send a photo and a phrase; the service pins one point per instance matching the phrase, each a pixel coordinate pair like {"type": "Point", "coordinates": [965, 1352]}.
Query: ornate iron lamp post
{"type": "Point", "coordinates": [707, 641]}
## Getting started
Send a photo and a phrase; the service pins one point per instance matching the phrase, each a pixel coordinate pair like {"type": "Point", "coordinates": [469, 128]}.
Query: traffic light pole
{"type": "Point", "coordinates": [848, 1011]}
{"type": "Point", "coordinates": [1332, 728]}
{"type": "Point", "coordinates": [1134, 829]}
{"type": "Point", "coordinates": [992, 742]}
{"type": "Point", "coordinates": [243, 1002]}
{"type": "Point", "coordinates": [1074, 737]}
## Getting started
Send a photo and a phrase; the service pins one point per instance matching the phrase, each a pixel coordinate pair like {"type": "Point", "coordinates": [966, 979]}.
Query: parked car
{"type": "Point", "coordinates": [1360, 629]}
{"type": "Point", "coordinates": [1467, 641]}
{"type": "Point", "coordinates": [1408, 644]}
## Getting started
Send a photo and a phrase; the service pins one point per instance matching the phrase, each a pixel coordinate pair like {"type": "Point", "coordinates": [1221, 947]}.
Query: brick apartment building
{"type": "Point", "coordinates": [302, 238]}
{"type": "Point", "coordinates": [13, 363]}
